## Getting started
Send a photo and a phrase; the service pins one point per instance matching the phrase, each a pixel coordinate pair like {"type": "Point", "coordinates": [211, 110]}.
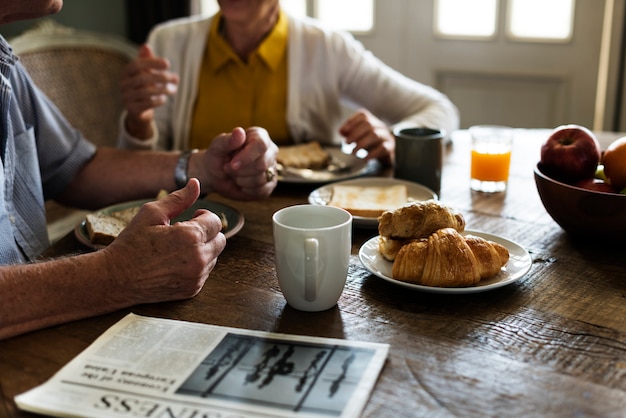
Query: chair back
{"type": "Point", "coordinates": [80, 71]}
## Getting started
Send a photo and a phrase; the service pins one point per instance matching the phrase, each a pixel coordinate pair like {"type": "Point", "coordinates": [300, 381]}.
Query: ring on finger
{"type": "Point", "coordinates": [270, 173]}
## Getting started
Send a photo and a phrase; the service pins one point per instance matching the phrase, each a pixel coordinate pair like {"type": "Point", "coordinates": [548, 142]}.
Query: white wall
{"type": "Point", "coordinates": [107, 16]}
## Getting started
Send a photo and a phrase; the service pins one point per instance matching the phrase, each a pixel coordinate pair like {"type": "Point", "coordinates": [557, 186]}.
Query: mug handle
{"type": "Point", "coordinates": [311, 261]}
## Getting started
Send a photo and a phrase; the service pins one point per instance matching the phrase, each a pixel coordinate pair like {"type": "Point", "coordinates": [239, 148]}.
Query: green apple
{"type": "Point", "coordinates": [600, 172]}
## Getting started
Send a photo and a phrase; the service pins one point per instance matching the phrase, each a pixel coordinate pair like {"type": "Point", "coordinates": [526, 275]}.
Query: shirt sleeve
{"type": "Point", "coordinates": [127, 141]}
{"type": "Point", "coordinates": [346, 73]}
{"type": "Point", "coordinates": [61, 149]}
{"type": "Point", "coordinates": [367, 81]}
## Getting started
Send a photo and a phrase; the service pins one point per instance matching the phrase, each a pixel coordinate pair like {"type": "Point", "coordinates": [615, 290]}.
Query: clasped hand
{"type": "Point", "coordinates": [236, 164]}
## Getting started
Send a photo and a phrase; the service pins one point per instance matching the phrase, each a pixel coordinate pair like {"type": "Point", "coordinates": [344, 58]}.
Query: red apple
{"type": "Point", "coordinates": [570, 154]}
{"type": "Point", "coordinates": [596, 185]}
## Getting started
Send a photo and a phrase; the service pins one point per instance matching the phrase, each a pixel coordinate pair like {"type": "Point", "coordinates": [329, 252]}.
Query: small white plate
{"type": "Point", "coordinates": [518, 265]}
{"type": "Point", "coordinates": [415, 193]}
{"type": "Point", "coordinates": [354, 167]}
{"type": "Point", "coordinates": [233, 217]}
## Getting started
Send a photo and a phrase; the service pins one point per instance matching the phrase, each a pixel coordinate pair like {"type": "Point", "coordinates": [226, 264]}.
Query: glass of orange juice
{"type": "Point", "coordinates": [491, 157]}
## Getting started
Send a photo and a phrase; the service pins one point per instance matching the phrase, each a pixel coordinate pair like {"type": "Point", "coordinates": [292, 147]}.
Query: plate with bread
{"type": "Point", "coordinates": [425, 246]}
{"type": "Point", "coordinates": [311, 163]}
{"type": "Point", "coordinates": [100, 228]}
{"type": "Point", "coordinates": [367, 198]}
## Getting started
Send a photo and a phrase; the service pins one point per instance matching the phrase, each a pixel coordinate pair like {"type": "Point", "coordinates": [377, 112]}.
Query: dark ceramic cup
{"type": "Point", "coordinates": [419, 156]}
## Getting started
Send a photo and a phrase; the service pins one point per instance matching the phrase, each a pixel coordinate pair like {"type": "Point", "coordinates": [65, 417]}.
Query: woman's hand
{"type": "Point", "coordinates": [146, 84]}
{"type": "Point", "coordinates": [371, 134]}
{"type": "Point", "coordinates": [239, 165]}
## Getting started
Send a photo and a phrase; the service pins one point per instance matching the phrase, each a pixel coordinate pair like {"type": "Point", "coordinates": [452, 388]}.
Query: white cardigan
{"type": "Point", "coordinates": [327, 69]}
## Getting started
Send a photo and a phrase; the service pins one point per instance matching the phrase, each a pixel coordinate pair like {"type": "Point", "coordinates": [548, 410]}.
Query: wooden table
{"type": "Point", "coordinates": [551, 344]}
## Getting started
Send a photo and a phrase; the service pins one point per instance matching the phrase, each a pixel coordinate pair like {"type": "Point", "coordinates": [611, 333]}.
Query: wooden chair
{"type": "Point", "coordinates": [80, 72]}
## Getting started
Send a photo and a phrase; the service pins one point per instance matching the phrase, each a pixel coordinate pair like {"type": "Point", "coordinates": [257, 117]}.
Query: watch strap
{"type": "Point", "coordinates": [182, 167]}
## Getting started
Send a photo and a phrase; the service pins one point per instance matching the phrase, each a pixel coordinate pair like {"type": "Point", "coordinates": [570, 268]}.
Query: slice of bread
{"type": "Point", "coordinates": [125, 215]}
{"type": "Point", "coordinates": [309, 155]}
{"type": "Point", "coordinates": [368, 201]}
{"type": "Point", "coordinates": [103, 229]}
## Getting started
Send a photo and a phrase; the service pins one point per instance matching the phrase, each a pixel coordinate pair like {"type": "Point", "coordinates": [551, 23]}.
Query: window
{"type": "Point", "coordinates": [351, 15]}
{"type": "Point", "coordinates": [526, 20]}
{"type": "Point", "coordinates": [466, 18]}
{"type": "Point", "coordinates": [204, 7]}
{"type": "Point", "coordinates": [541, 19]}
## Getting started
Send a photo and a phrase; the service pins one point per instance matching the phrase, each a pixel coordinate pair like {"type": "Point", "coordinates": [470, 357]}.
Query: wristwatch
{"type": "Point", "coordinates": [182, 167]}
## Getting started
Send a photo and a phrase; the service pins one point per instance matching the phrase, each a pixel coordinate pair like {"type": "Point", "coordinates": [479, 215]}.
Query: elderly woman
{"type": "Point", "coordinates": [253, 64]}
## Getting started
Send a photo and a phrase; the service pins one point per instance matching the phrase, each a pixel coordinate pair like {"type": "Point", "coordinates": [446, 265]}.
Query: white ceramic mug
{"type": "Point", "coordinates": [312, 245]}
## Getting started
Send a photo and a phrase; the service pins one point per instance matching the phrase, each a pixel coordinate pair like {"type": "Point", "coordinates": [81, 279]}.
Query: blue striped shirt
{"type": "Point", "coordinates": [40, 153]}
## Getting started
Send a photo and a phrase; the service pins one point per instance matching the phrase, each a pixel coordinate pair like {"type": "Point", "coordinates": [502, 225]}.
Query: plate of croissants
{"type": "Point", "coordinates": [425, 246]}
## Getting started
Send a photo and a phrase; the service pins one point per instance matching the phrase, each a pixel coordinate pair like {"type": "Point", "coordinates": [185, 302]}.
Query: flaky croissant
{"type": "Point", "coordinates": [389, 248]}
{"type": "Point", "coordinates": [414, 221]}
{"type": "Point", "coordinates": [419, 220]}
{"type": "Point", "coordinates": [448, 259]}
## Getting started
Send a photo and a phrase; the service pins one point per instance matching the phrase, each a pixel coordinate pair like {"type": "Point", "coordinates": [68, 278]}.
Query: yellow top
{"type": "Point", "coordinates": [235, 93]}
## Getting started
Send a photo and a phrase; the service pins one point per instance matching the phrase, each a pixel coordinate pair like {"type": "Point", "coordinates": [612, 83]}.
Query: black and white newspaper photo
{"type": "Point", "coordinates": [149, 367]}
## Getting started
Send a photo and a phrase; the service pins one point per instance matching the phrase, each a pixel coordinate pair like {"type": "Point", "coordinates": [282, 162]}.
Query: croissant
{"type": "Point", "coordinates": [448, 259]}
{"type": "Point", "coordinates": [389, 248]}
{"type": "Point", "coordinates": [419, 220]}
{"type": "Point", "coordinates": [414, 221]}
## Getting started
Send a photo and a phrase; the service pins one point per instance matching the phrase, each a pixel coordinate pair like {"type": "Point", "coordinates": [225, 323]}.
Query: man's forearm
{"type": "Point", "coordinates": [38, 295]}
{"type": "Point", "coordinates": [129, 175]}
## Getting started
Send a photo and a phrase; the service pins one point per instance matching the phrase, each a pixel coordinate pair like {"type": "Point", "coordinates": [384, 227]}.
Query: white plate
{"type": "Point", "coordinates": [415, 193]}
{"type": "Point", "coordinates": [233, 217]}
{"type": "Point", "coordinates": [355, 167]}
{"type": "Point", "coordinates": [518, 265]}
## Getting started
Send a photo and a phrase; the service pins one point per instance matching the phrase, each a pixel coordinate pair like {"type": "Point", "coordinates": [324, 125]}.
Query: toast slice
{"type": "Point", "coordinates": [309, 155]}
{"type": "Point", "coordinates": [125, 215]}
{"type": "Point", "coordinates": [368, 201]}
{"type": "Point", "coordinates": [103, 229]}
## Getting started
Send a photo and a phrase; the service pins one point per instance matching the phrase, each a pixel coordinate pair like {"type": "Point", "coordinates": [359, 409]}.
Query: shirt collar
{"type": "Point", "coordinates": [7, 58]}
{"type": "Point", "coordinates": [271, 50]}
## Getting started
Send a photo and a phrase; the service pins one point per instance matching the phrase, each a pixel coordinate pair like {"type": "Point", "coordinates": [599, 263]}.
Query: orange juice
{"type": "Point", "coordinates": [491, 157]}
{"type": "Point", "coordinates": [490, 166]}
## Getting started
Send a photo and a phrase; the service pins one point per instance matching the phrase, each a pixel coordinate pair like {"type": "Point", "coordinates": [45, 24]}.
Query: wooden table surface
{"type": "Point", "coordinates": [551, 344]}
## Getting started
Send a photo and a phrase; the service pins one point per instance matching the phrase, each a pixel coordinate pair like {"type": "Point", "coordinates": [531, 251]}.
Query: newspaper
{"type": "Point", "coordinates": [162, 368]}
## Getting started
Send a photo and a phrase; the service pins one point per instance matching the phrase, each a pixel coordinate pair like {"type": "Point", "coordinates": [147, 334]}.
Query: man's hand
{"type": "Point", "coordinates": [146, 83]}
{"type": "Point", "coordinates": [154, 261]}
{"type": "Point", "coordinates": [240, 165]}
{"type": "Point", "coordinates": [371, 134]}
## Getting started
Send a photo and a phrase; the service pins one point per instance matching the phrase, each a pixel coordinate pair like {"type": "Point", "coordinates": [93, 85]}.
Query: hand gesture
{"type": "Point", "coordinates": [153, 261]}
{"type": "Point", "coordinates": [240, 165]}
{"type": "Point", "coordinates": [146, 83]}
{"type": "Point", "coordinates": [371, 134]}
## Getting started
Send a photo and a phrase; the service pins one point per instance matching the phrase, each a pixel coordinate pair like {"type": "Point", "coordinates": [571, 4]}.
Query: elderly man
{"type": "Point", "coordinates": [42, 157]}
